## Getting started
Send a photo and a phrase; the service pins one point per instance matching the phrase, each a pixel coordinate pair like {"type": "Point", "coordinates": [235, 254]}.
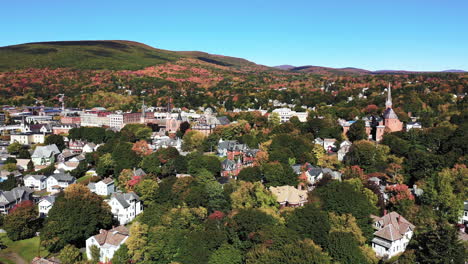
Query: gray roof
{"type": "Point", "coordinates": [92, 186]}
{"type": "Point", "coordinates": [315, 171]}
{"type": "Point", "coordinates": [389, 113]}
{"type": "Point", "coordinates": [139, 172]}
{"type": "Point", "coordinates": [63, 177]}
{"type": "Point", "coordinates": [49, 198]}
{"type": "Point", "coordinates": [228, 164]}
{"type": "Point", "coordinates": [223, 120]}
{"type": "Point", "coordinates": [45, 151]}
{"type": "Point", "coordinates": [125, 198]}
{"type": "Point", "coordinates": [296, 168]}
{"type": "Point", "coordinates": [15, 194]}
{"type": "Point", "coordinates": [37, 177]}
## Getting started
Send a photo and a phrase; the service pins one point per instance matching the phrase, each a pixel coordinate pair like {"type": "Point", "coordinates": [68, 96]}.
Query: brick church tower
{"type": "Point", "coordinates": [391, 123]}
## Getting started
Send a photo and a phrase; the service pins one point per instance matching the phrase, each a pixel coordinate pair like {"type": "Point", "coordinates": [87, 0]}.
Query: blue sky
{"type": "Point", "coordinates": [408, 35]}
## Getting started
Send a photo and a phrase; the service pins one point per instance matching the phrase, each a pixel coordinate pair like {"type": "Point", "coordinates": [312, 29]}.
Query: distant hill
{"type": "Point", "coordinates": [455, 71]}
{"type": "Point", "coordinates": [285, 67]}
{"type": "Point", "coordinates": [330, 71]}
{"type": "Point", "coordinates": [104, 54]}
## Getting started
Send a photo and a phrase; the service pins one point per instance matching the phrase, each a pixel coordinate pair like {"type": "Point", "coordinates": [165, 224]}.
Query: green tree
{"type": "Point", "coordinates": [344, 248]}
{"type": "Point", "coordinates": [95, 253]}
{"type": "Point", "coordinates": [226, 254]}
{"type": "Point", "coordinates": [147, 189]}
{"type": "Point", "coordinates": [252, 195]}
{"type": "Point", "coordinates": [250, 174]}
{"type": "Point", "coordinates": [9, 184]}
{"type": "Point", "coordinates": [299, 252]}
{"type": "Point", "coordinates": [192, 140]}
{"type": "Point", "coordinates": [55, 139]}
{"type": "Point", "coordinates": [438, 244]}
{"type": "Point", "coordinates": [14, 148]}
{"type": "Point", "coordinates": [310, 222]}
{"type": "Point", "coordinates": [105, 165]}
{"type": "Point", "coordinates": [277, 174]}
{"type": "Point", "coordinates": [342, 198]}
{"type": "Point", "coordinates": [124, 157]}
{"type": "Point", "coordinates": [69, 255]}
{"type": "Point", "coordinates": [274, 119]}
{"type": "Point", "coordinates": [357, 131]}
{"type": "Point", "coordinates": [138, 241]}
{"type": "Point", "coordinates": [368, 155]}
{"type": "Point", "coordinates": [121, 255]}
{"type": "Point", "coordinates": [65, 223]}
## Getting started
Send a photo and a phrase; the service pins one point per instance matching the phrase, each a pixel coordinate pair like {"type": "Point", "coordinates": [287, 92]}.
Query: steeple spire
{"type": "Point", "coordinates": [388, 103]}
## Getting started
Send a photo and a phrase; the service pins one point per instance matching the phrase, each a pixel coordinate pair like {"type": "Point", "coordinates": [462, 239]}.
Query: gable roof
{"type": "Point", "coordinates": [45, 151]}
{"type": "Point", "coordinates": [125, 198]}
{"type": "Point", "coordinates": [36, 177]}
{"type": "Point", "coordinates": [139, 172]}
{"type": "Point", "coordinates": [393, 226]}
{"type": "Point", "coordinates": [113, 237]}
{"type": "Point", "coordinates": [289, 194]}
{"type": "Point", "coordinates": [63, 177]}
{"type": "Point", "coordinates": [16, 193]}
{"type": "Point", "coordinates": [50, 199]}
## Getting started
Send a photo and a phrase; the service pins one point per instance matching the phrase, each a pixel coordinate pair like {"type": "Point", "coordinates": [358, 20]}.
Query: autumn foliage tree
{"type": "Point", "coordinates": [21, 222]}
{"type": "Point", "coordinates": [141, 148]}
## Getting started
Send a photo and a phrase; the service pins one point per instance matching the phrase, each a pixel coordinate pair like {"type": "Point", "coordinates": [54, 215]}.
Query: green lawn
{"type": "Point", "coordinates": [84, 178]}
{"type": "Point", "coordinates": [27, 249]}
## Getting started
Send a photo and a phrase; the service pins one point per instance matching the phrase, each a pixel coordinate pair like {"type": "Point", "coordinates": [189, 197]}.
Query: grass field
{"type": "Point", "coordinates": [26, 249]}
{"type": "Point", "coordinates": [84, 178]}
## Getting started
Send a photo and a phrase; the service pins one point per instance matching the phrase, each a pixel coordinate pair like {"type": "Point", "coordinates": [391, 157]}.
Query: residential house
{"type": "Point", "coordinates": [58, 182]}
{"type": "Point", "coordinates": [392, 236]}
{"type": "Point", "coordinates": [8, 199]}
{"type": "Point", "coordinates": [108, 242]}
{"type": "Point", "coordinates": [464, 216]}
{"type": "Point", "coordinates": [125, 206]}
{"type": "Point", "coordinates": [289, 196]}
{"type": "Point", "coordinates": [328, 144]}
{"type": "Point", "coordinates": [104, 187]}
{"type": "Point", "coordinates": [28, 138]}
{"type": "Point", "coordinates": [412, 125]}
{"type": "Point", "coordinates": [89, 147]}
{"type": "Point", "coordinates": [66, 155]}
{"type": "Point", "coordinates": [44, 155]}
{"type": "Point", "coordinates": [285, 114]}
{"type": "Point", "coordinates": [45, 204]}
{"type": "Point", "coordinates": [76, 146]}
{"type": "Point", "coordinates": [35, 182]}
{"type": "Point", "coordinates": [344, 149]}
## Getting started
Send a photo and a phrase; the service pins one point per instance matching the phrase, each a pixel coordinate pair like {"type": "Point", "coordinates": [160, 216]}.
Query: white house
{"type": "Point", "coordinates": [58, 182]}
{"type": "Point", "coordinates": [45, 204]}
{"type": "Point", "coordinates": [285, 114]}
{"type": "Point", "coordinates": [90, 147]}
{"type": "Point", "coordinates": [108, 241]}
{"type": "Point", "coordinates": [412, 125]}
{"type": "Point", "coordinates": [36, 182]}
{"type": "Point", "coordinates": [28, 138]}
{"type": "Point", "coordinates": [464, 217]}
{"type": "Point", "coordinates": [392, 236]}
{"type": "Point", "coordinates": [344, 149]}
{"type": "Point", "coordinates": [328, 144]}
{"type": "Point", "coordinates": [125, 206]}
{"type": "Point", "coordinates": [104, 187]}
